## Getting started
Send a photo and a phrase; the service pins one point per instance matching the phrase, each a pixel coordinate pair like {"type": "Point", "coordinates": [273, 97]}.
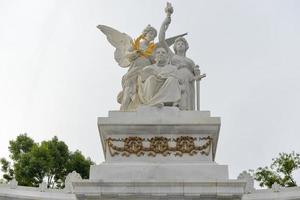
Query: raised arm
{"type": "Point", "coordinates": [164, 27]}
{"type": "Point", "coordinates": [162, 34]}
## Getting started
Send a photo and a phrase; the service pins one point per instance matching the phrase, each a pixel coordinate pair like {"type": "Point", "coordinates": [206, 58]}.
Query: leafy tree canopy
{"type": "Point", "coordinates": [49, 161]}
{"type": "Point", "coordinates": [280, 171]}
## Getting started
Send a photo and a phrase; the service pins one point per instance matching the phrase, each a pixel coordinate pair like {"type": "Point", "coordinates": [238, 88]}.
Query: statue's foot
{"type": "Point", "coordinates": [159, 105]}
{"type": "Point", "coordinates": [176, 104]}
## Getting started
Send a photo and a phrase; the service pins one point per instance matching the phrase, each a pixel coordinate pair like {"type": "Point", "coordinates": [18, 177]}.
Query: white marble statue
{"type": "Point", "coordinates": [249, 187]}
{"type": "Point", "coordinates": [159, 83]}
{"type": "Point", "coordinates": [13, 184]}
{"type": "Point", "coordinates": [71, 177]}
{"type": "Point", "coordinates": [135, 55]}
{"type": "Point", "coordinates": [187, 70]}
{"type": "Point", "coordinates": [132, 54]}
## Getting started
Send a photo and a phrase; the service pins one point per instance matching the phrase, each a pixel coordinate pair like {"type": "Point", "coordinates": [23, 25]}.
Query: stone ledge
{"type": "Point", "coordinates": [214, 189]}
{"type": "Point", "coordinates": [166, 115]}
{"type": "Point", "coordinates": [33, 193]}
{"type": "Point", "coordinates": [159, 171]}
{"type": "Point", "coordinates": [270, 194]}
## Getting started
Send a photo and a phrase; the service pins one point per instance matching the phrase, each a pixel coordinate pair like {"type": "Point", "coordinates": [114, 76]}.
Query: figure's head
{"type": "Point", "coordinates": [161, 56]}
{"type": "Point", "coordinates": [180, 45]}
{"type": "Point", "coordinates": [150, 33]}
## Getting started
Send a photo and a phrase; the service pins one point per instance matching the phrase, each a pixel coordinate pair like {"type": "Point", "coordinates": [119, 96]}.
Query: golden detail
{"type": "Point", "coordinates": [158, 145]}
{"type": "Point", "coordinates": [136, 47]}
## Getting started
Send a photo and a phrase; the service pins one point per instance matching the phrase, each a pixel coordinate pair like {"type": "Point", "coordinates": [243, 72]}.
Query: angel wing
{"type": "Point", "coordinates": [121, 41]}
{"type": "Point", "coordinates": [170, 41]}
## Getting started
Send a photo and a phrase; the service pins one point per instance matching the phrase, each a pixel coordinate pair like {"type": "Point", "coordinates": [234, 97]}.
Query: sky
{"type": "Point", "coordinates": [58, 74]}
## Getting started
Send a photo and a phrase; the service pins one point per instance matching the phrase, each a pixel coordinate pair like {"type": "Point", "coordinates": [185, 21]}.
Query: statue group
{"type": "Point", "coordinates": [156, 76]}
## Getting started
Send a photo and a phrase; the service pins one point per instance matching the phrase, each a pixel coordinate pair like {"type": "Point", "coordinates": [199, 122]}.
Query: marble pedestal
{"type": "Point", "coordinates": [159, 153]}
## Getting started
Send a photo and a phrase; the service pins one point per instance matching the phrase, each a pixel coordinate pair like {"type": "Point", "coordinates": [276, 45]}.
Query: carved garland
{"type": "Point", "coordinates": [158, 145]}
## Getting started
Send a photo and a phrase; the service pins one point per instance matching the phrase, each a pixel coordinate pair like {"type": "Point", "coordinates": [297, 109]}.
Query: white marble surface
{"type": "Point", "coordinates": [33, 193]}
{"type": "Point", "coordinates": [150, 115]}
{"type": "Point", "coordinates": [98, 189]}
{"type": "Point", "coordinates": [292, 193]}
{"type": "Point", "coordinates": [169, 122]}
{"type": "Point", "coordinates": [144, 177]}
{"type": "Point", "coordinates": [249, 181]}
{"type": "Point", "coordinates": [226, 189]}
{"type": "Point", "coordinates": [158, 172]}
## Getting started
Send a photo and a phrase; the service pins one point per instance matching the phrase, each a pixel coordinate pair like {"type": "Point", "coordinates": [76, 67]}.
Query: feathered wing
{"type": "Point", "coordinates": [170, 41]}
{"type": "Point", "coordinates": [121, 41]}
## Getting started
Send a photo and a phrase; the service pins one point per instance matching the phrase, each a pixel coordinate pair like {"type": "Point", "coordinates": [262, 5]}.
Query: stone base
{"type": "Point", "coordinates": [159, 153]}
{"type": "Point", "coordinates": [162, 135]}
{"type": "Point", "coordinates": [159, 172]}
{"type": "Point", "coordinates": [143, 190]}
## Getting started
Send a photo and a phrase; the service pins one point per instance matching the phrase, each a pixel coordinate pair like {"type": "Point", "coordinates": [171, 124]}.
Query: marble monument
{"type": "Point", "coordinates": [159, 145]}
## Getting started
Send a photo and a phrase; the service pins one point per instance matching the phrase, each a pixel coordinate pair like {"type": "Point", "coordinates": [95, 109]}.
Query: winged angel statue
{"type": "Point", "coordinates": [134, 54]}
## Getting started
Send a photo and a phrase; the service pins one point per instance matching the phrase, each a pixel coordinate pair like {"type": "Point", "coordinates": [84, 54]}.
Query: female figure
{"type": "Point", "coordinates": [187, 70]}
{"type": "Point", "coordinates": [159, 84]}
{"type": "Point", "coordinates": [131, 54]}
{"type": "Point", "coordinates": [139, 55]}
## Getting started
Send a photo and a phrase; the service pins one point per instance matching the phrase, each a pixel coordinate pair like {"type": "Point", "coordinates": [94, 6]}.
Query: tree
{"type": "Point", "coordinates": [59, 155]}
{"type": "Point", "coordinates": [7, 169]}
{"type": "Point", "coordinates": [49, 161]}
{"type": "Point", "coordinates": [280, 171]}
{"type": "Point", "coordinates": [32, 167]}
{"type": "Point", "coordinates": [20, 146]}
{"type": "Point", "coordinates": [77, 162]}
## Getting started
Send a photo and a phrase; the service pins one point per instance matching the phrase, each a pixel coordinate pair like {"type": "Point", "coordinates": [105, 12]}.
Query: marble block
{"type": "Point", "coordinates": [159, 135]}
{"type": "Point", "coordinates": [159, 153]}
{"type": "Point", "coordinates": [159, 172]}
{"type": "Point", "coordinates": [152, 190]}
{"type": "Point", "coordinates": [160, 144]}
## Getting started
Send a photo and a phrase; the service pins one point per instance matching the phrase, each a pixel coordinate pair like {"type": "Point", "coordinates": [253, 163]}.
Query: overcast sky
{"type": "Point", "coordinates": [57, 72]}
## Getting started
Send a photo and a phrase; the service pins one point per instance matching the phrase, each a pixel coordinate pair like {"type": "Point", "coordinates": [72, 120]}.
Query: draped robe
{"type": "Point", "coordinates": [160, 84]}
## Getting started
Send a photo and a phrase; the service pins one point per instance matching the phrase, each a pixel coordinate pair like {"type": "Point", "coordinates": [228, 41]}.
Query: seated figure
{"type": "Point", "coordinates": [159, 84]}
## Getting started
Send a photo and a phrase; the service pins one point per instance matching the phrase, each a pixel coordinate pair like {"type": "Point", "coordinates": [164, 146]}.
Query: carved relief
{"type": "Point", "coordinates": [185, 144]}
{"type": "Point", "coordinates": [158, 145]}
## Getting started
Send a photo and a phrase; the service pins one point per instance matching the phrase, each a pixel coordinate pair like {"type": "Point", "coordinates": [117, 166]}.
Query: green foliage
{"type": "Point", "coordinates": [59, 155]}
{"type": "Point", "coordinates": [21, 145]}
{"type": "Point", "coordinates": [80, 164]}
{"type": "Point", "coordinates": [7, 169]}
{"type": "Point", "coordinates": [32, 167]}
{"type": "Point", "coordinates": [50, 161]}
{"type": "Point", "coordinates": [280, 171]}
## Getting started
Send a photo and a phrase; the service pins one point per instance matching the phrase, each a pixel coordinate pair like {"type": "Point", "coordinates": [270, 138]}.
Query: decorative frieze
{"type": "Point", "coordinates": [166, 146]}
